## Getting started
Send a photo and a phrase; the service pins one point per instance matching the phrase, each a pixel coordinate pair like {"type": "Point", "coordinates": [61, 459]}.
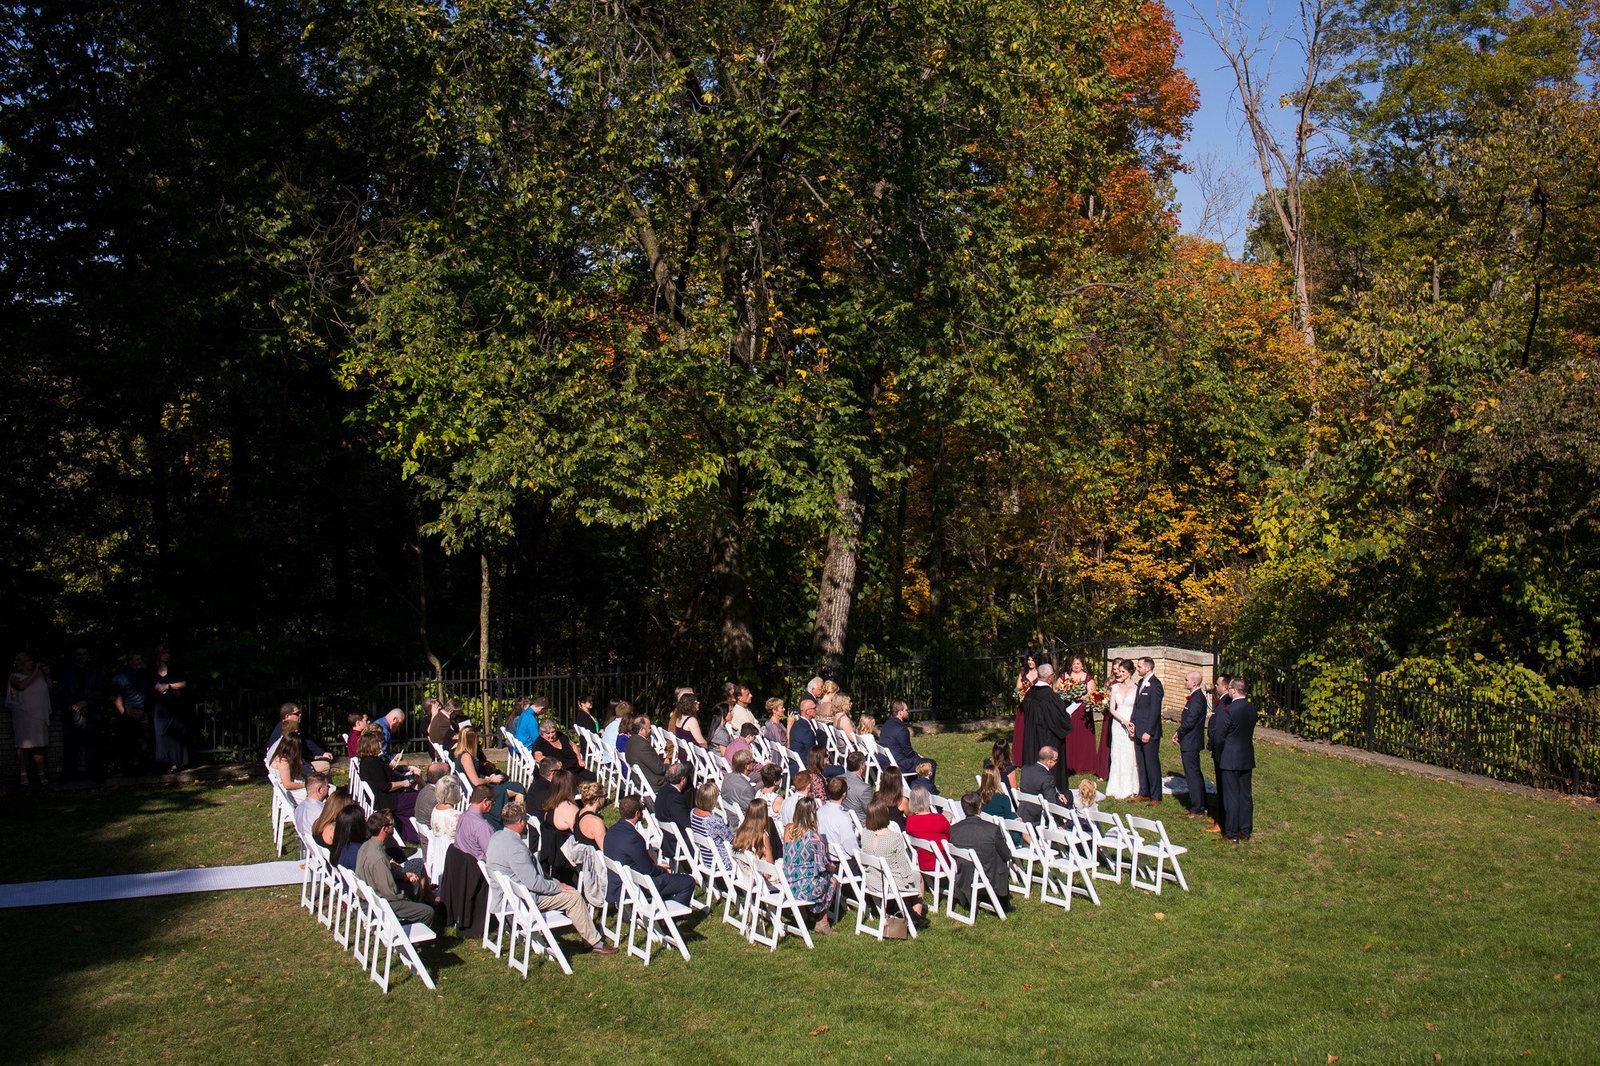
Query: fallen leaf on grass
{"type": "Point", "coordinates": [1333, 1059]}
{"type": "Point", "coordinates": [1158, 916]}
{"type": "Point", "coordinates": [1431, 1025]}
{"type": "Point", "coordinates": [818, 1031]}
{"type": "Point", "coordinates": [1557, 977]}
{"type": "Point", "coordinates": [149, 958]}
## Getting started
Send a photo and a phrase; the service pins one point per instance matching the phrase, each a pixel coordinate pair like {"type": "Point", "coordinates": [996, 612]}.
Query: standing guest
{"type": "Point", "coordinates": [583, 717]}
{"type": "Point", "coordinates": [1190, 737]}
{"type": "Point", "coordinates": [774, 731]}
{"type": "Point", "coordinates": [359, 720]}
{"type": "Point", "coordinates": [28, 696]}
{"type": "Point", "coordinates": [896, 740]}
{"type": "Point", "coordinates": [1147, 731]}
{"type": "Point", "coordinates": [553, 744]}
{"type": "Point", "coordinates": [857, 792]}
{"type": "Point", "coordinates": [508, 854]}
{"type": "Point", "coordinates": [986, 840]}
{"type": "Point", "coordinates": [290, 718]}
{"type": "Point", "coordinates": [803, 735]}
{"type": "Point", "coordinates": [309, 809]}
{"type": "Point", "coordinates": [168, 714]}
{"type": "Point", "coordinates": [130, 695]}
{"type": "Point", "coordinates": [737, 788]}
{"type": "Point", "coordinates": [1039, 778]}
{"type": "Point", "coordinates": [82, 690]}
{"type": "Point", "coordinates": [473, 830]}
{"type": "Point", "coordinates": [529, 718]}
{"type": "Point", "coordinates": [705, 820]}
{"type": "Point", "coordinates": [373, 867]}
{"type": "Point", "coordinates": [1214, 727]}
{"type": "Point", "coordinates": [471, 761]}
{"type": "Point", "coordinates": [388, 725]}
{"type": "Point", "coordinates": [834, 823]}
{"type": "Point", "coordinates": [884, 839]}
{"type": "Point", "coordinates": [643, 755]}
{"type": "Point", "coordinates": [740, 715]}
{"type": "Point", "coordinates": [392, 790]}
{"type": "Point", "coordinates": [925, 823]}
{"type": "Point", "coordinates": [806, 865]}
{"type": "Point", "coordinates": [426, 795]}
{"type": "Point", "coordinates": [286, 766]}
{"type": "Point", "coordinates": [625, 845]}
{"type": "Point", "coordinates": [1238, 762]}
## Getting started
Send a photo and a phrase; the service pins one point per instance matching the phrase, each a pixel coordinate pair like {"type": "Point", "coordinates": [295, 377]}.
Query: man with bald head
{"type": "Point", "coordinates": [1190, 738]}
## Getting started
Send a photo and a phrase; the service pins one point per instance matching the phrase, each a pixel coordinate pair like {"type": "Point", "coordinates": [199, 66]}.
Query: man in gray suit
{"type": "Point", "coordinates": [737, 788]}
{"type": "Point", "coordinates": [986, 840]}
{"type": "Point", "coordinates": [508, 854]}
{"type": "Point", "coordinates": [857, 792]}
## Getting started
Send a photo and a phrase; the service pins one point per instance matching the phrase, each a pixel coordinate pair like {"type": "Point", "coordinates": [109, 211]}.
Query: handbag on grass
{"type": "Point", "coordinates": [895, 928]}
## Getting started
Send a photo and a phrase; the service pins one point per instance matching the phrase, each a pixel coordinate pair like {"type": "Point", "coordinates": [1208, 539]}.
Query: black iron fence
{"type": "Point", "coordinates": [1528, 745]}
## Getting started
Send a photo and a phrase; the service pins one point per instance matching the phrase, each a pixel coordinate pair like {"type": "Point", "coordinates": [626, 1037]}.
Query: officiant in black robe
{"type": "Point", "coordinates": [1045, 721]}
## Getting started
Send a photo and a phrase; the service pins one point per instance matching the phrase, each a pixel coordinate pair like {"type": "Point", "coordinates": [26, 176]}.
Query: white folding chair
{"type": "Point", "coordinates": [1150, 842]}
{"type": "Point", "coordinates": [360, 791]}
{"type": "Point", "coordinates": [653, 916]}
{"type": "Point", "coordinates": [282, 811]}
{"type": "Point", "coordinates": [1113, 845]}
{"type": "Point", "coordinates": [942, 870]}
{"type": "Point", "coordinates": [772, 902]}
{"type": "Point", "coordinates": [1027, 856]}
{"type": "Point", "coordinates": [1069, 854]}
{"type": "Point", "coordinates": [498, 911]}
{"type": "Point", "coordinates": [983, 893]}
{"type": "Point", "coordinates": [638, 785]}
{"type": "Point", "coordinates": [681, 851]}
{"type": "Point", "coordinates": [886, 896]}
{"type": "Point", "coordinates": [394, 938]}
{"type": "Point", "coordinates": [532, 928]}
{"type": "Point", "coordinates": [718, 876]}
{"type": "Point", "coordinates": [439, 751]}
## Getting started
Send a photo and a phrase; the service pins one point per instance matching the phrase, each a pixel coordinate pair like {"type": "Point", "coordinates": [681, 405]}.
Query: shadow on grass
{"type": "Point", "coordinates": [52, 836]}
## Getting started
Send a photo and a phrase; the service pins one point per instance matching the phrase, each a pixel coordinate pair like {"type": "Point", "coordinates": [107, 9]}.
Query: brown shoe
{"type": "Point", "coordinates": [603, 948]}
{"type": "Point", "coordinates": [1213, 828]}
{"type": "Point", "coordinates": [824, 929]}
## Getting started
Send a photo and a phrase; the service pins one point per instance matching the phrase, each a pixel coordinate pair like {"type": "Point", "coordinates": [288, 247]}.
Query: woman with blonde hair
{"type": "Point", "coordinates": [470, 760]}
{"type": "Point", "coordinates": [825, 702]}
{"type": "Point", "coordinates": [806, 865]}
{"type": "Point", "coordinates": [589, 826]}
{"type": "Point", "coordinates": [756, 834]}
{"type": "Point", "coordinates": [867, 726]}
{"type": "Point", "coordinates": [841, 717]}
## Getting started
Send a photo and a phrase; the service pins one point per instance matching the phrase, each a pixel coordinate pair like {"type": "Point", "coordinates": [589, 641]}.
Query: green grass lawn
{"type": "Point", "coordinates": [1376, 916]}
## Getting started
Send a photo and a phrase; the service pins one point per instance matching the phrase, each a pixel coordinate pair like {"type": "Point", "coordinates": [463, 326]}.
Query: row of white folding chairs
{"type": "Point", "coordinates": [642, 910]}
{"type": "Point", "coordinates": [520, 763]}
{"type": "Point", "coordinates": [361, 921]}
{"type": "Point", "coordinates": [360, 791]}
{"type": "Point", "coordinates": [513, 909]}
{"type": "Point", "coordinates": [1121, 842]}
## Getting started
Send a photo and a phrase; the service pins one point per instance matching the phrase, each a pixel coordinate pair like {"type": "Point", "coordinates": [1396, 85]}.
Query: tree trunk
{"type": "Point", "coordinates": [726, 552]}
{"type": "Point", "coordinates": [838, 585]}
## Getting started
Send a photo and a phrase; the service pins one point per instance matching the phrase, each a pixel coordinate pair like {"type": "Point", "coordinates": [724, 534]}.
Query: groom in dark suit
{"type": "Point", "coordinates": [1147, 731]}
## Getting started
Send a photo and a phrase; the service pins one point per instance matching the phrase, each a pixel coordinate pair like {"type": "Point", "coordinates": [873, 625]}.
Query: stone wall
{"type": "Point", "coordinates": [1171, 666]}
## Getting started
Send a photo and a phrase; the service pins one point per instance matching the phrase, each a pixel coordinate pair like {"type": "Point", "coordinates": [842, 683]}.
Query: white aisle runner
{"type": "Point", "coordinates": [164, 883]}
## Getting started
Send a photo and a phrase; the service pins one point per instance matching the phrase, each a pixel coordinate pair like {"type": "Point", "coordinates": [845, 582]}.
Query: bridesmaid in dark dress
{"type": "Point", "coordinates": [1082, 755]}
{"type": "Point", "coordinates": [171, 723]}
{"type": "Point", "coordinates": [1025, 680]}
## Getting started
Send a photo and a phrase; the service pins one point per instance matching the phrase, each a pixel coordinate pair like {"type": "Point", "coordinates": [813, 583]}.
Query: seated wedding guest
{"type": "Point", "coordinates": [308, 809]}
{"type": "Point", "coordinates": [895, 737]}
{"type": "Point", "coordinates": [767, 792]}
{"type": "Point", "coordinates": [674, 800]}
{"type": "Point", "coordinates": [757, 834]}
{"type": "Point", "coordinates": [391, 790]}
{"type": "Point", "coordinates": [508, 854]}
{"type": "Point", "coordinates": [817, 765]}
{"type": "Point", "coordinates": [528, 717]}
{"type": "Point", "coordinates": [349, 833]}
{"type": "Point", "coordinates": [352, 740]}
{"type": "Point", "coordinates": [437, 771]}
{"type": "Point", "coordinates": [470, 760]}
{"type": "Point", "coordinates": [988, 842]}
{"type": "Point", "coordinates": [583, 717]}
{"type": "Point", "coordinates": [740, 715]}
{"type": "Point", "coordinates": [539, 788]}
{"type": "Point", "coordinates": [473, 829]}
{"type": "Point", "coordinates": [553, 744]}
{"type": "Point", "coordinates": [892, 790]}
{"type": "Point", "coordinates": [441, 730]}
{"type": "Point", "coordinates": [866, 726]}
{"type": "Point", "coordinates": [683, 723]}
{"type": "Point", "coordinates": [443, 817]}
{"type": "Point", "coordinates": [289, 718]}
{"type": "Point", "coordinates": [373, 867]}
{"type": "Point", "coordinates": [721, 737]}
{"type": "Point", "coordinates": [884, 839]}
{"type": "Point", "coordinates": [625, 845]}
{"type": "Point", "coordinates": [999, 758]}
{"type": "Point", "coordinates": [737, 787]}
{"type": "Point", "coordinates": [562, 804]}
{"type": "Point", "coordinates": [389, 725]}
{"type": "Point", "coordinates": [741, 742]}
{"type": "Point", "coordinates": [286, 769]}
{"type": "Point", "coordinates": [705, 820]}
{"type": "Point", "coordinates": [834, 823]}
{"type": "Point", "coordinates": [776, 731]}
{"type": "Point", "coordinates": [323, 828]}
{"type": "Point", "coordinates": [857, 792]}
{"type": "Point", "coordinates": [1039, 778]}
{"type": "Point", "coordinates": [807, 867]}
{"type": "Point", "coordinates": [926, 824]}
{"type": "Point", "coordinates": [841, 717]}
{"type": "Point", "coordinates": [589, 826]}
{"type": "Point", "coordinates": [799, 788]}
{"type": "Point", "coordinates": [619, 724]}
{"type": "Point", "coordinates": [993, 798]}
{"type": "Point", "coordinates": [1085, 799]}
{"type": "Point", "coordinates": [923, 778]}
{"type": "Point", "coordinates": [642, 753]}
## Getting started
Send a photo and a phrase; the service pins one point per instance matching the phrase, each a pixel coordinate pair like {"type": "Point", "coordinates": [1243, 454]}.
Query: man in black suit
{"type": "Point", "coordinates": [803, 735]}
{"type": "Point", "coordinates": [1045, 723]}
{"type": "Point", "coordinates": [1147, 731]}
{"type": "Point", "coordinates": [673, 801]}
{"type": "Point", "coordinates": [1214, 729]}
{"type": "Point", "coordinates": [895, 738]}
{"type": "Point", "coordinates": [641, 754]}
{"type": "Point", "coordinates": [624, 844]}
{"type": "Point", "coordinates": [1190, 737]}
{"type": "Point", "coordinates": [987, 841]}
{"type": "Point", "coordinates": [1039, 778]}
{"type": "Point", "coordinates": [539, 788]}
{"type": "Point", "coordinates": [1237, 762]}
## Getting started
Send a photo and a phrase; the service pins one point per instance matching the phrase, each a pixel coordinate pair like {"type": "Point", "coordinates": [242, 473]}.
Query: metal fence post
{"type": "Point", "coordinates": [1371, 713]}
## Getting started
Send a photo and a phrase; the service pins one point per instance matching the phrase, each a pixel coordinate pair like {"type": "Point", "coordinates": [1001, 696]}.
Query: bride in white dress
{"type": "Point", "coordinates": [1123, 780]}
